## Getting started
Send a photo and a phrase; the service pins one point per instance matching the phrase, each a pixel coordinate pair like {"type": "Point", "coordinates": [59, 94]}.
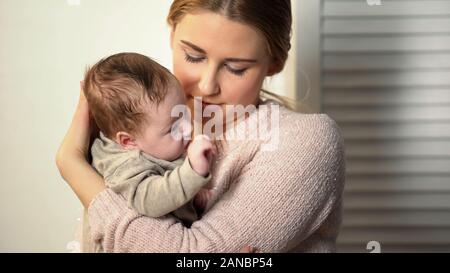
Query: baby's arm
{"type": "Point", "coordinates": [155, 195]}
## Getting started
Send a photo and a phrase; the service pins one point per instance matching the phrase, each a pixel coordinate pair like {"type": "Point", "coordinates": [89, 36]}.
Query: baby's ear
{"type": "Point", "coordinates": [126, 140]}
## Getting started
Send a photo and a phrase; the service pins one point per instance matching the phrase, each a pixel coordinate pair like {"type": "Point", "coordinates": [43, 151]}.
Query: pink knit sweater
{"type": "Point", "coordinates": [287, 200]}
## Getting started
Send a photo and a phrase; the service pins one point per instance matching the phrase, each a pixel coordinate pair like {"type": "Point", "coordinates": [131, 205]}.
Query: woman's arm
{"type": "Point", "coordinates": [280, 199]}
{"type": "Point", "coordinates": [71, 157]}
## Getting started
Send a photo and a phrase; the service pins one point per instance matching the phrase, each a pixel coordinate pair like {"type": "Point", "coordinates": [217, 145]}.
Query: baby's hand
{"type": "Point", "coordinates": [202, 197]}
{"type": "Point", "coordinates": [200, 154]}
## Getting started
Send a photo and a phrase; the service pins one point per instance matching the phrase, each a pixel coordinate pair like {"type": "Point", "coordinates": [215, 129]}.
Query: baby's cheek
{"type": "Point", "coordinates": [177, 148]}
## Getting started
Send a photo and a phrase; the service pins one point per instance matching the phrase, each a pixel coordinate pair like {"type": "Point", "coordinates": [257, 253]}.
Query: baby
{"type": "Point", "coordinates": [141, 150]}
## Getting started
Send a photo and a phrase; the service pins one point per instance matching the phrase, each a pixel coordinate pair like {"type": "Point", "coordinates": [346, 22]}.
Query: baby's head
{"type": "Point", "coordinates": [131, 98]}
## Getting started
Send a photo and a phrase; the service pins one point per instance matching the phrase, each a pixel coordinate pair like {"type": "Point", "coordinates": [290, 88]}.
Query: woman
{"type": "Point", "coordinates": [282, 200]}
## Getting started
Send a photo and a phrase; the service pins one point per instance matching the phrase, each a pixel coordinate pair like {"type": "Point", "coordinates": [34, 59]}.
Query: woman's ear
{"type": "Point", "coordinates": [273, 69]}
{"type": "Point", "coordinates": [126, 140]}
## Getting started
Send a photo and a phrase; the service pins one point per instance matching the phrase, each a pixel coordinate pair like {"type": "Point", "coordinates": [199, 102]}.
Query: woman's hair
{"type": "Point", "coordinates": [119, 88]}
{"type": "Point", "coordinates": [271, 18]}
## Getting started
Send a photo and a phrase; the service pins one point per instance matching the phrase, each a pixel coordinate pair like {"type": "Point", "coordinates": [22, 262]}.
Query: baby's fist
{"type": "Point", "coordinates": [201, 153]}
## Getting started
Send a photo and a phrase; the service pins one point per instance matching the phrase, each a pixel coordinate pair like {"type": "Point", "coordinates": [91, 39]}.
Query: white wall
{"type": "Point", "coordinates": [44, 49]}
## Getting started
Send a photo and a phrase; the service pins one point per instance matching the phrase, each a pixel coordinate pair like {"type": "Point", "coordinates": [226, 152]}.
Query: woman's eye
{"type": "Point", "coordinates": [237, 72]}
{"type": "Point", "coordinates": [192, 59]}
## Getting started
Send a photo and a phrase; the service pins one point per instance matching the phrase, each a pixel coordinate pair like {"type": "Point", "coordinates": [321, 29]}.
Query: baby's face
{"type": "Point", "coordinates": [158, 138]}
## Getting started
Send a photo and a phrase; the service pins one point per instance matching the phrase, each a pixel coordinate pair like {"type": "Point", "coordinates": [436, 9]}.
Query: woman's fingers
{"type": "Point", "coordinates": [248, 249]}
{"type": "Point", "coordinates": [77, 138]}
{"type": "Point", "coordinates": [81, 127]}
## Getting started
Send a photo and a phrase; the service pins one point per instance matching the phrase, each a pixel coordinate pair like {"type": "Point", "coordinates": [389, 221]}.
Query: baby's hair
{"type": "Point", "coordinates": [119, 89]}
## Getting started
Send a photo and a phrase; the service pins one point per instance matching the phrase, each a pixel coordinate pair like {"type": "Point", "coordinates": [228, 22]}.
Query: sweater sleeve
{"type": "Point", "coordinates": [278, 201]}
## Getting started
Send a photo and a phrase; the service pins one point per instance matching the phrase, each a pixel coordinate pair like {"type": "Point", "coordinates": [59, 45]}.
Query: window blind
{"type": "Point", "coordinates": [385, 76]}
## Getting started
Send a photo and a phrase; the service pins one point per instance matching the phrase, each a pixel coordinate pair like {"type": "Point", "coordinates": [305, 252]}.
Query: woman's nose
{"type": "Point", "coordinates": [208, 83]}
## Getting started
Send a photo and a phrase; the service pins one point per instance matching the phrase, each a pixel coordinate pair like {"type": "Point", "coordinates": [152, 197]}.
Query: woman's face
{"type": "Point", "coordinates": [222, 61]}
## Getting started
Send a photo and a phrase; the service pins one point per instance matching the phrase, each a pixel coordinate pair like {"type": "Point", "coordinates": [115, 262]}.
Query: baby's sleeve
{"type": "Point", "coordinates": [152, 194]}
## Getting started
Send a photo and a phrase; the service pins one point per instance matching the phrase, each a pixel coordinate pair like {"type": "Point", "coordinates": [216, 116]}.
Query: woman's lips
{"type": "Point", "coordinates": [205, 104]}
{"type": "Point", "coordinates": [198, 99]}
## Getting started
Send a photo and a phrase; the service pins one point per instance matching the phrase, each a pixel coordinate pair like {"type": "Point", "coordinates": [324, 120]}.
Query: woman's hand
{"type": "Point", "coordinates": [202, 198]}
{"type": "Point", "coordinates": [76, 141]}
{"type": "Point", "coordinates": [71, 158]}
{"type": "Point", "coordinates": [249, 249]}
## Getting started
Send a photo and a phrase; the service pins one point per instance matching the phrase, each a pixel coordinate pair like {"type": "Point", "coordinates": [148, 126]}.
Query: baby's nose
{"type": "Point", "coordinates": [185, 129]}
